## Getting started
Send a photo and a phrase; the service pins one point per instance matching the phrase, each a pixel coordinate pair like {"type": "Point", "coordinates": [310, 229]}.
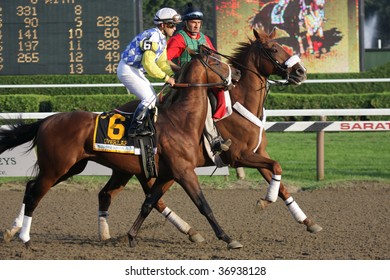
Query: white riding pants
{"type": "Point", "coordinates": [210, 130]}
{"type": "Point", "coordinates": [136, 82]}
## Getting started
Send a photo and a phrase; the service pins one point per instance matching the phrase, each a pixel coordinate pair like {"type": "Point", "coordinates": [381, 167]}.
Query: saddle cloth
{"type": "Point", "coordinates": [110, 134]}
{"type": "Point", "coordinates": [221, 104]}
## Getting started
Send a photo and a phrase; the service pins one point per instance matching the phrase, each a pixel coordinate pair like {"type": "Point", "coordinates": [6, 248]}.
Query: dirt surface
{"type": "Point", "coordinates": [355, 218]}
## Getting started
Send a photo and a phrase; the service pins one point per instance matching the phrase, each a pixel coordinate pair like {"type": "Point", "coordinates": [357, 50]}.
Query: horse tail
{"type": "Point", "coordinates": [18, 134]}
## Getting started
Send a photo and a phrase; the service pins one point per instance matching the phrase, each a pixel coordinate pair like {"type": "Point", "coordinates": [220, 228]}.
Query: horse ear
{"type": "Point", "coordinates": [272, 35]}
{"type": "Point", "coordinates": [260, 35]}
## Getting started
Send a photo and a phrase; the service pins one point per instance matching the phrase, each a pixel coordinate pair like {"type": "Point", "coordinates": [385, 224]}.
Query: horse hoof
{"type": "Point", "coordinates": [234, 245]}
{"type": "Point", "coordinates": [314, 228]}
{"type": "Point", "coordinates": [104, 238]}
{"type": "Point", "coordinates": [7, 236]}
{"type": "Point", "coordinates": [196, 238]}
{"type": "Point", "coordinates": [132, 241]}
{"type": "Point", "coordinates": [261, 205]}
{"type": "Point", "coordinates": [27, 244]}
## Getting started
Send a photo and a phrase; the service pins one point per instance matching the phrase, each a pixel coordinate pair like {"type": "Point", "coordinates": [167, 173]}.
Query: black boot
{"type": "Point", "coordinates": [137, 126]}
{"type": "Point", "coordinates": [218, 145]}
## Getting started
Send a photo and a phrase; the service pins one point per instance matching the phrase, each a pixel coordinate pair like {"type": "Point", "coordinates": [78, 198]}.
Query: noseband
{"type": "Point", "coordinates": [285, 67]}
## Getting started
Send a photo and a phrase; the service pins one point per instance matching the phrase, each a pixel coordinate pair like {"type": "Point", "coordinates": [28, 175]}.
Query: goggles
{"type": "Point", "coordinates": [170, 24]}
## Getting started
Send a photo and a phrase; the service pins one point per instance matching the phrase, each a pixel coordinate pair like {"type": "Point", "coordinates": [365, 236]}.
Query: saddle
{"type": "Point", "coordinates": [111, 135]}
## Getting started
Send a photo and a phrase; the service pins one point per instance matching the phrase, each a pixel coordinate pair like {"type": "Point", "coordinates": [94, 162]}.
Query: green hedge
{"type": "Point", "coordinates": [306, 88]}
{"type": "Point", "coordinates": [62, 103]}
{"type": "Point", "coordinates": [305, 96]}
{"type": "Point", "coordinates": [93, 103]}
{"type": "Point", "coordinates": [328, 88]}
{"type": "Point", "coordinates": [104, 102]}
{"type": "Point", "coordinates": [61, 79]}
{"type": "Point", "coordinates": [328, 101]}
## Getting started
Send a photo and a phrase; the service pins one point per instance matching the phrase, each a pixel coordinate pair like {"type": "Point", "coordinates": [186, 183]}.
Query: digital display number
{"type": "Point", "coordinates": [64, 36]}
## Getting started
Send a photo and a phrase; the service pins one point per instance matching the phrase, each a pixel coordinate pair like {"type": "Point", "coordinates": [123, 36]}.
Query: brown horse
{"type": "Point", "coordinates": [256, 60]}
{"type": "Point", "coordinates": [64, 143]}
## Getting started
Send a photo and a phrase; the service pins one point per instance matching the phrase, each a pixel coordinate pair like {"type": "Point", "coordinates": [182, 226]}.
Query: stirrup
{"type": "Point", "coordinates": [220, 146]}
{"type": "Point", "coordinates": [139, 132]}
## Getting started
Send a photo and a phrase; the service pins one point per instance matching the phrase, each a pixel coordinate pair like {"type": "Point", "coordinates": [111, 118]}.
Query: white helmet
{"type": "Point", "coordinates": [166, 15]}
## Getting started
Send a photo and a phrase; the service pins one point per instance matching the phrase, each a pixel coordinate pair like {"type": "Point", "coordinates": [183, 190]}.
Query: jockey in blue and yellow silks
{"type": "Point", "coordinates": [147, 53]}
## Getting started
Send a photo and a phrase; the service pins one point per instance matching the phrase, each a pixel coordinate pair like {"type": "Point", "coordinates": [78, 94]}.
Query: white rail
{"type": "Point", "coordinates": [373, 80]}
{"type": "Point", "coordinates": [270, 113]}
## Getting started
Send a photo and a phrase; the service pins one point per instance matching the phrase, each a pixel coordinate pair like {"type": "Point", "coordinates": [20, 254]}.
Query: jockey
{"type": "Point", "coordinates": [191, 37]}
{"type": "Point", "coordinates": [146, 53]}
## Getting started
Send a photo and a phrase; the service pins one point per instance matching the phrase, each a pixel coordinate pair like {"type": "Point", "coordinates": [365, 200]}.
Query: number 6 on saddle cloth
{"type": "Point", "coordinates": [111, 135]}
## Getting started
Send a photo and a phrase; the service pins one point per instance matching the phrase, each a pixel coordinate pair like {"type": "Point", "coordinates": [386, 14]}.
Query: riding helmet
{"type": "Point", "coordinates": [166, 15]}
{"type": "Point", "coordinates": [192, 13]}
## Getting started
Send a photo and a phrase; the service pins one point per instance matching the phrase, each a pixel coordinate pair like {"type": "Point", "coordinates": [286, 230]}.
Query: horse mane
{"type": "Point", "coordinates": [240, 53]}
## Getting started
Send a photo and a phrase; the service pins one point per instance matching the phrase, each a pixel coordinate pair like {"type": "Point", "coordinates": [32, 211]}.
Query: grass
{"type": "Point", "coordinates": [349, 156]}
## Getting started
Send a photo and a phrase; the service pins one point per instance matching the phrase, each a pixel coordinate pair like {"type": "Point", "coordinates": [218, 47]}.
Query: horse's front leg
{"type": "Point", "coordinates": [169, 214]}
{"type": "Point", "coordinates": [190, 183]}
{"type": "Point", "coordinates": [289, 201]}
{"type": "Point", "coordinates": [151, 199]}
{"type": "Point", "coordinates": [263, 162]}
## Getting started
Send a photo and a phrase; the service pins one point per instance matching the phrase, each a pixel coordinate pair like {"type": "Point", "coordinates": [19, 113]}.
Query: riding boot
{"type": "Point", "coordinates": [137, 123]}
{"type": "Point", "coordinates": [218, 145]}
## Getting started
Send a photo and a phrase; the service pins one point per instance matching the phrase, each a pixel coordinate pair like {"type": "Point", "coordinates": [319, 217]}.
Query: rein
{"type": "Point", "coordinates": [226, 81]}
{"type": "Point", "coordinates": [186, 85]}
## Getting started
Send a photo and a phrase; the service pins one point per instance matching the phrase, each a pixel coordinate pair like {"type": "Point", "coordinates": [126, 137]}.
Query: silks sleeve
{"type": "Point", "coordinates": [152, 67]}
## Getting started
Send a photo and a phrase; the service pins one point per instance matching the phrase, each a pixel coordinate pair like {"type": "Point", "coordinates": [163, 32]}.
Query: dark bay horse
{"type": "Point", "coordinates": [256, 60]}
{"type": "Point", "coordinates": [64, 143]}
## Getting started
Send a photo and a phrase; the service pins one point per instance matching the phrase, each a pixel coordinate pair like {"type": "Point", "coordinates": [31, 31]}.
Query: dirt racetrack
{"type": "Point", "coordinates": [355, 218]}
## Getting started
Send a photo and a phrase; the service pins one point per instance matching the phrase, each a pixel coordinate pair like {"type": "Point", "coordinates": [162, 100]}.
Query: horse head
{"type": "Point", "coordinates": [279, 61]}
{"type": "Point", "coordinates": [207, 69]}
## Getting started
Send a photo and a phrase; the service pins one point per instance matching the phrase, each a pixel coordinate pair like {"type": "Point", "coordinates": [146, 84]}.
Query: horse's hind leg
{"type": "Point", "coordinates": [35, 190]}
{"type": "Point", "coordinates": [289, 201]}
{"type": "Point", "coordinates": [16, 226]}
{"type": "Point", "coordinates": [18, 222]}
{"type": "Point", "coordinates": [114, 186]}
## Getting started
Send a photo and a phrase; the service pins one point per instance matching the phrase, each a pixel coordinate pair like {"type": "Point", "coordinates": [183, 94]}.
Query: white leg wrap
{"type": "Point", "coordinates": [19, 219]}
{"type": "Point", "coordinates": [273, 188]}
{"type": "Point", "coordinates": [295, 210]}
{"type": "Point", "coordinates": [25, 232]}
{"type": "Point", "coordinates": [103, 229]}
{"type": "Point", "coordinates": [178, 222]}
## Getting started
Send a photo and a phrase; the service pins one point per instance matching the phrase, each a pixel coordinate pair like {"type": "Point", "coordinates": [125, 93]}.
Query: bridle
{"type": "Point", "coordinates": [282, 67]}
{"type": "Point", "coordinates": [226, 80]}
